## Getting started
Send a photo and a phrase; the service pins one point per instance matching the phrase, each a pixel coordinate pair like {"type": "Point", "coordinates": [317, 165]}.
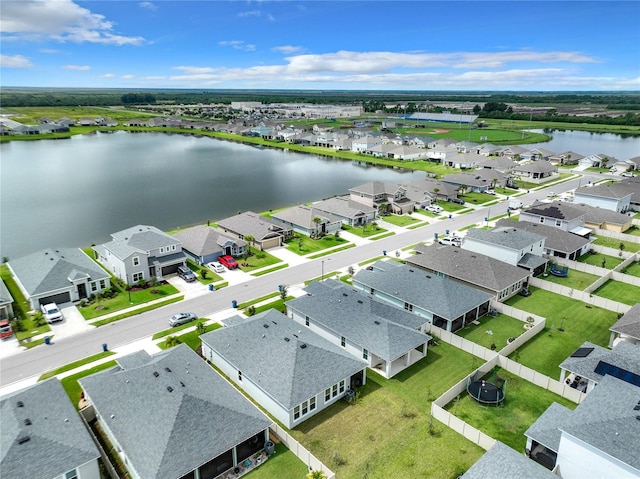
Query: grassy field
{"type": "Point", "coordinates": [633, 269]}
{"type": "Point", "coordinates": [574, 279]}
{"type": "Point", "coordinates": [126, 299]}
{"type": "Point", "coordinates": [578, 321]}
{"type": "Point", "coordinates": [32, 115]}
{"type": "Point", "coordinates": [258, 259]}
{"type": "Point", "coordinates": [524, 403]}
{"type": "Point", "coordinates": [303, 245]}
{"type": "Point", "coordinates": [618, 291]}
{"type": "Point", "coordinates": [366, 231]}
{"type": "Point", "coordinates": [492, 330]}
{"type": "Point", "coordinates": [75, 364]}
{"type": "Point", "coordinates": [387, 432]}
{"type": "Point", "coordinates": [602, 260]}
{"type": "Point", "coordinates": [400, 220]}
{"type": "Point", "coordinates": [617, 244]}
{"type": "Point", "coordinates": [283, 464]}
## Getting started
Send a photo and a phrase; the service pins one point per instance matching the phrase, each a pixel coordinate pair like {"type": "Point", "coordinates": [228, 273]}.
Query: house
{"type": "Point", "coordinates": [365, 143]}
{"type": "Point", "coordinates": [588, 364]}
{"type": "Point", "coordinates": [631, 185]}
{"type": "Point", "coordinates": [407, 153]}
{"type": "Point", "coordinates": [422, 189]}
{"type": "Point", "coordinates": [503, 462]}
{"type": "Point", "coordinates": [517, 153]}
{"type": "Point", "coordinates": [352, 213]}
{"type": "Point", "coordinates": [266, 233]}
{"type": "Point", "coordinates": [604, 219]}
{"type": "Point", "coordinates": [171, 415]}
{"type": "Point", "coordinates": [598, 160]}
{"type": "Point", "coordinates": [635, 161]}
{"type": "Point", "coordinates": [292, 372]}
{"type": "Point", "coordinates": [388, 338]}
{"type": "Point", "coordinates": [536, 170]}
{"type": "Point", "coordinates": [542, 154]}
{"type": "Point", "coordinates": [557, 242]}
{"type": "Point", "coordinates": [141, 253]}
{"type": "Point", "coordinates": [566, 158]}
{"type": "Point", "coordinates": [609, 196]}
{"type": "Point", "coordinates": [61, 276]}
{"type": "Point", "coordinates": [487, 149]}
{"type": "Point", "coordinates": [479, 271]}
{"type": "Point", "coordinates": [499, 163]}
{"type": "Point", "coordinates": [478, 181]}
{"type": "Point", "coordinates": [6, 302]}
{"type": "Point", "coordinates": [308, 220]}
{"type": "Point", "coordinates": [627, 328]}
{"type": "Point", "coordinates": [514, 246]}
{"type": "Point", "coordinates": [558, 215]}
{"type": "Point", "coordinates": [204, 244]}
{"type": "Point", "coordinates": [376, 193]}
{"type": "Point", "coordinates": [599, 438]}
{"type": "Point", "coordinates": [463, 160]}
{"type": "Point", "coordinates": [441, 153]}
{"type": "Point", "coordinates": [445, 303]}
{"type": "Point", "coordinates": [43, 436]}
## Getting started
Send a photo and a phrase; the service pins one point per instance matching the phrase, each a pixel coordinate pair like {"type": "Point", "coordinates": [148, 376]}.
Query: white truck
{"type": "Point", "coordinates": [515, 204]}
{"type": "Point", "coordinates": [51, 312]}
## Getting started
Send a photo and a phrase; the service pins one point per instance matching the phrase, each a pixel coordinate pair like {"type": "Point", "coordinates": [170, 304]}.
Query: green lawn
{"type": "Point", "coordinates": [400, 220]}
{"type": "Point", "coordinates": [602, 260]}
{"type": "Point", "coordinates": [70, 383]}
{"type": "Point", "coordinates": [30, 327]}
{"type": "Point", "coordinates": [633, 269]}
{"type": "Point", "coordinates": [75, 364]}
{"type": "Point", "coordinates": [477, 198]}
{"type": "Point", "coordinates": [282, 464]}
{"type": "Point", "coordinates": [574, 279]}
{"type": "Point", "coordinates": [493, 330]}
{"type": "Point", "coordinates": [366, 231]}
{"type": "Point", "coordinates": [633, 231]}
{"type": "Point", "coordinates": [616, 244]}
{"type": "Point", "coordinates": [386, 434]}
{"type": "Point", "coordinates": [580, 322]}
{"type": "Point", "coordinates": [303, 245]}
{"type": "Point", "coordinates": [450, 207]}
{"type": "Point", "coordinates": [524, 403]}
{"type": "Point", "coordinates": [618, 291]}
{"type": "Point", "coordinates": [192, 338]}
{"type": "Point", "coordinates": [126, 299]}
{"type": "Point", "coordinates": [204, 274]}
{"type": "Point", "coordinates": [258, 259]}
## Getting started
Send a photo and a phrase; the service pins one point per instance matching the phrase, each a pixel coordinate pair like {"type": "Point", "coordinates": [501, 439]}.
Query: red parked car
{"type": "Point", "coordinates": [228, 262]}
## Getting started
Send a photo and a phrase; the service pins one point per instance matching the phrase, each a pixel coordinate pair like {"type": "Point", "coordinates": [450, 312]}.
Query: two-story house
{"type": "Point", "coordinates": [609, 196]}
{"type": "Point", "coordinates": [376, 193]}
{"type": "Point", "coordinates": [558, 215]}
{"type": "Point", "coordinates": [141, 253]}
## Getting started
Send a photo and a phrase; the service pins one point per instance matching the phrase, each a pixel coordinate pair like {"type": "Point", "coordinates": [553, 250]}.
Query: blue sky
{"type": "Point", "coordinates": [345, 45]}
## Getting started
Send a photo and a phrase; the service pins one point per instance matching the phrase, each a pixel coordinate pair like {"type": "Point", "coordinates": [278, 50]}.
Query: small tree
{"type": "Point", "coordinates": [283, 292]}
{"type": "Point", "coordinates": [203, 273]}
{"type": "Point", "coordinates": [172, 341]}
{"type": "Point", "coordinates": [251, 240]}
{"type": "Point", "coordinates": [350, 270]}
{"type": "Point", "coordinates": [201, 328]}
{"type": "Point", "coordinates": [318, 474]}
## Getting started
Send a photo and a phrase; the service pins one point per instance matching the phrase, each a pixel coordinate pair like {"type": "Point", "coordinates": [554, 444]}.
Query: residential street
{"type": "Point", "coordinates": [30, 363]}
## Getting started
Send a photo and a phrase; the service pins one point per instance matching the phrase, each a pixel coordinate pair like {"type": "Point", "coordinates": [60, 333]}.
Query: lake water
{"type": "Point", "coordinates": [75, 192]}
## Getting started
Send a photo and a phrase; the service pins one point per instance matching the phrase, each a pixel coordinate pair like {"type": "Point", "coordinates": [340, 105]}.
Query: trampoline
{"type": "Point", "coordinates": [487, 391]}
{"type": "Point", "coordinates": [561, 271]}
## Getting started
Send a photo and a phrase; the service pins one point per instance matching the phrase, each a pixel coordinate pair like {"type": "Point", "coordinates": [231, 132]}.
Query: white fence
{"type": "Point", "coordinates": [618, 236]}
{"type": "Point", "coordinates": [584, 296]}
{"type": "Point", "coordinates": [610, 251]}
{"type": "Point", "coordinates": [302, 453]}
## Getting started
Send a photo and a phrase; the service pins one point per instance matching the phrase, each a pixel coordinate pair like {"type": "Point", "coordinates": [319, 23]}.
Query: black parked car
{"type": "Point", "coordinates": [186, 274]}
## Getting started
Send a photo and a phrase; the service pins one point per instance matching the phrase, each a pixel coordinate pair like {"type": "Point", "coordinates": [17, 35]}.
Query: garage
{"type": "Point", "coordinates": [56, 298]}
{"type": "Point", "coordinates": [170, 269]}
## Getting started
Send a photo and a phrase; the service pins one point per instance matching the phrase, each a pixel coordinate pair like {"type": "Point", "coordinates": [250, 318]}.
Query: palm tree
{"type": "Point", "coordinates": [316, 220]}
{"type": "Point", "coordinates": [317, 474]}
{"type": "Point", "coordinates": [250, 239]}
{"type": "Point", "coordinates": [172, 341]}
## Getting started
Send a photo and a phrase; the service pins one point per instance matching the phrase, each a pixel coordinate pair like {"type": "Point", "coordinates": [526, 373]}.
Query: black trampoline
{"type": "Point", "coordinates": [487, 392]}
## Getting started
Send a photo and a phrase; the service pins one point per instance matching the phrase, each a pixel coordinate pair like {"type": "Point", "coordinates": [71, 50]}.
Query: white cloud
{"type": "Point", "coordinates": [237, 45]}
{"type": "Point", "coordinates": [14, 61]}
{"type": "Point", "coordinates": [128, 77]}
{"type": "Point", "coordinates": [250, 13]}
{"type": "Point", "coordinates": [79, 68]}
{"type": "Point", "coordinates": [108, 75]}
{"type": "Point", "coordinates": [194, 70]}
{"type": "Point", "coordinates": [60, 20]}
{"type": "Point", "coordinates": [50, 51]}
{"type": "Point", "coordinates": [148, 6]}
{"type": "Point", "coordinates": [287, 49]}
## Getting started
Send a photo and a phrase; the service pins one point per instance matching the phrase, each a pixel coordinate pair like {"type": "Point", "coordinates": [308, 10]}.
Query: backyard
{"type": "Point", "coordinates": [388, 431]}
{"type": "Point", "coordinates": [574, 279]}
{"type": "Point", "coordinates": [617, 244]}
{"type": "Point", "coordinates": [633, 269]}
{"type": "Point", "coordinates": [619, 291]}
{"type": "Point", "coordinates": [569, 323]}
{"type": "Point", "coordinates": [493, 331]}
{"type": "Point", "coordinates": [601, 260]}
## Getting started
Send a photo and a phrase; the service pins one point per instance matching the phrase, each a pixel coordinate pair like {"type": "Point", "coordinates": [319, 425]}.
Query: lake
{"type": "Point", "coordinates": [587, 143]}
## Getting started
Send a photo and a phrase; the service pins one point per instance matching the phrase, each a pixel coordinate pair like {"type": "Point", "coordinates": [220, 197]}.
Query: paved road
{"type": "Point", "coordinates": [32, 362]}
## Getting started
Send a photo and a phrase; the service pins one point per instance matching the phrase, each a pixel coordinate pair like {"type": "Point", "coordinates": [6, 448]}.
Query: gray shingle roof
{"type": "Point", "coordinates": [444, 297]}
{"type": "Point", "coordinates": [502, 462]}
{"type": "Point", "coordinates": [468, 266]}
{"type": "Point", "coordinates": [5, 295]}
{"type": "Point", "coordinates": [624, 355]}
{"type": "Point", "coordinates": [507, 237]}
{"type": "Point", "coordinates": [545, 429]}
{"type": "Point", "coordinates": [603, 191]}
{"type": "Point", "coordinates": [384, 330]}
{"type": "Point", "coordinates": [250, 223]}
{"type": "Point", "coordinates": [344, 207]}
{"type": "Point", "coordinates": [286, 371]}
{"type": "Point", "coordinates": [629, 323]}
{"type": "Point", "coordinates": [602, 215]}
{"type": "Point", "coordinates": [203, 240]}
{"type": "Point", "coordinates": [555, 238]}
{"type": "Point", "coordinates": [557, 210]}
{"type": "Point", "coordinates": [162, 431]}
{"type": "Point", "coordinates": [58, 441]}
{"type": "Point", "coordinates": [303, 216]}
{"type": "Point", "coordinates": [144, 238]}
{"type": "Point", "coordinates": [50, 270]}
{"type": "Point", "coordinates": [539, 166]}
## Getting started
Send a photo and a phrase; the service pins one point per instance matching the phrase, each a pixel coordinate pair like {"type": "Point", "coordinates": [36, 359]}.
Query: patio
{"type": "Point", "coordinates": [245, 466]}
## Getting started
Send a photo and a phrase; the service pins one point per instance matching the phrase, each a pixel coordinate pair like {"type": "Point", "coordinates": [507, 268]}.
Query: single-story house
{"type": "Point", "coordinates": [599, 438]}
{"type": "Point", "coordinates": [445, 303]}
{"type": "Point", "coordinates": [487, 149]}
{"type": "Point", "coordinates": [464, 160]}
{"type": "Point", "coordinates": [558, 215]}
{"type": "Point", "coordinates": [604, 219]}
{"type": "Point", "coordinates": [289, 370]}
{"type": "Point", "coordinates": [476, 270]}
{"type": "Point", "coordinates": [598, 160]}
{"type": "Point", "coordinates": [588, 364]}
{"type": "Point", "coordinates": [43, 436]}
{"type": "Point", "coordinates": [352, 213]}
{"type": "Point", "coordinates": [266, 233]}
{"type": "Point", "coordinates": [429, 187]}
{"type": "Point", "coordinates": [627, 328]}
{"type": "Point", "coordinates": [171, 415]}
{"type": "Point", "coordinates": [388, 338]}
{"type": "Point", "coordinates": [536, 170]}
{"type": "Point", "coordinates": [508, 463]}
{"type": "Point", "coordinates": [499, 163]}
{"type": "Point", "coordinates": [566, 158]}
{"type": "Point", "coordinates": [308, 220]}
{"type": "Point", "coordinates": [6, 302]}
{"type": "Point", "coordinates": [204, 244]}
{"type": "Point", "coordinates": [61, 276]}
{"type": "Point", "coordinates": [608, 196]}
{"type": "Point", "coordinates": [517, 153]}
{"type": "Point", "coordinates": [141, 253]}
{"type": "Point", "coordinates": [511, 245]}
{"type": "Point", "coordinates": [556, 241]}
{"type": "Point", "coordinates": [478, 181]}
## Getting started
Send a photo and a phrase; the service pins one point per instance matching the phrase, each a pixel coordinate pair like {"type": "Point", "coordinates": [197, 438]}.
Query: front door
{"type": "Point", "coordinates": [82, 290]}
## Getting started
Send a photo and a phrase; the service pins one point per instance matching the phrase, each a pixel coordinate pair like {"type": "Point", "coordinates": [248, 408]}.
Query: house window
{"type": "Point", "coordinates": [137, 277]}
{"type": "Point", "coordinates": [161, 249]}
{"type": "Point", "coordinates": [558, 222]}
{"type": "Point", "coordinates": [365, 354]}
{"type": "Point", "coordinates": [327, 395]}
{"type": "Point", "coordinates": [408, 307]}
{"type": "Point", "coordinates": [542, 219]}
{"type": "Point", "coordinates": [94, 286]}
{"type": "Point", "coordinates": [240, 376]}
{"type": "Point", "coordinates": [312, 403]}
{"type": "Point", "coordinates": [305, 407]}
{"type": "Point", "coordinates": [343, 341]}
{"type": "Point", "coordinates": [341, 386]}
{"type": "Point", "coordinates": [296, 412]}
{"type": "Point", "coordinates": [136, 261]}
{"type": "Point", "coordinates": [334, 390]}
{"type": "Point", "coordinates": [71, 475]}
{"type": "Point", "coordinates": [103, 284]}
{"type": "Point", "coordinates": [306, 320]}
{"type": "Point", "coordinates": [372, 291]}
{"type": "Point", "coordinates": [173, 247]}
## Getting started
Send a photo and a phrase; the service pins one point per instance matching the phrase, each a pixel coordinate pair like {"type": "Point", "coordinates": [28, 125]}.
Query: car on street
{"type": "Point", "coordinates": [51, 313]}
{"type": "Point", "coordinates": [186, 274]}
{"type": "Point", "coordinates": [450, 241]}
{"type": "Point", "coordinates": [228, 262]}
{"type": "Point", "coordinates": [182, 318]}
{"type": "Point", "coordinates": [216, 267]}
{"type": "Point", "coordinates": [551, 194]}
{"type": "Point", "coordinates": [628, 174]}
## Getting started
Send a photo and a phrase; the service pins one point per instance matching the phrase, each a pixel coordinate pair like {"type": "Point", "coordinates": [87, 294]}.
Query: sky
{"type": "Point", "coordinates": [322, 45]}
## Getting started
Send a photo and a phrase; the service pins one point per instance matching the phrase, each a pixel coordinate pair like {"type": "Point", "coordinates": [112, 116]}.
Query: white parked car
{"type": "Point", "coordinates": [455, 241]}
{"type": "Point", "coordinates": [216, 267]}
{"type": "Point", "coordinates": [628, 174]}
{"type": "Point", "coordinates": [51, 312]}
{"type": "Point", "coordinates": [434, 209]}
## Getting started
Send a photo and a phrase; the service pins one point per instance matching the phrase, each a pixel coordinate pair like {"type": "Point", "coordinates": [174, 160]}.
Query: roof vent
{"type": "Point", "coordinates": [20, 404]}
{"type": "Point", "coordinates": [167, 370]}
{"type": "Point", "coordinates": [287, 339]}
{"type": "Point", "coordinates": [296, 336]}
{"type": "Point", "coordinates": [156, 374]}
{"type": "Point", "coordinates": [428, 276]}
{"type": "Point", "coordinates": [345, 294]}
{"type": "Point", "coordinates": [169, 388]}
{"type": "Point", "coordinates": [273, 322]}
{"type": "Point", "coordinates": [637, 407]}
{"type": "Point", "coordinates": [265, 325]}
{"type": "Point", "coordinates": [376, 322]}
{"type": "Point", "coordinates": [303, 346]}
{"type": "Point", "coordinates": [27, 422]}
{"type": "Point", "coordinates": [360, 301]}
{"type": "Point", "coordinates": [410, 270]}
{"type": "Point", "coordinates": [23, 439]}
{"type": "Point", "coordinates": [181, 384]}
